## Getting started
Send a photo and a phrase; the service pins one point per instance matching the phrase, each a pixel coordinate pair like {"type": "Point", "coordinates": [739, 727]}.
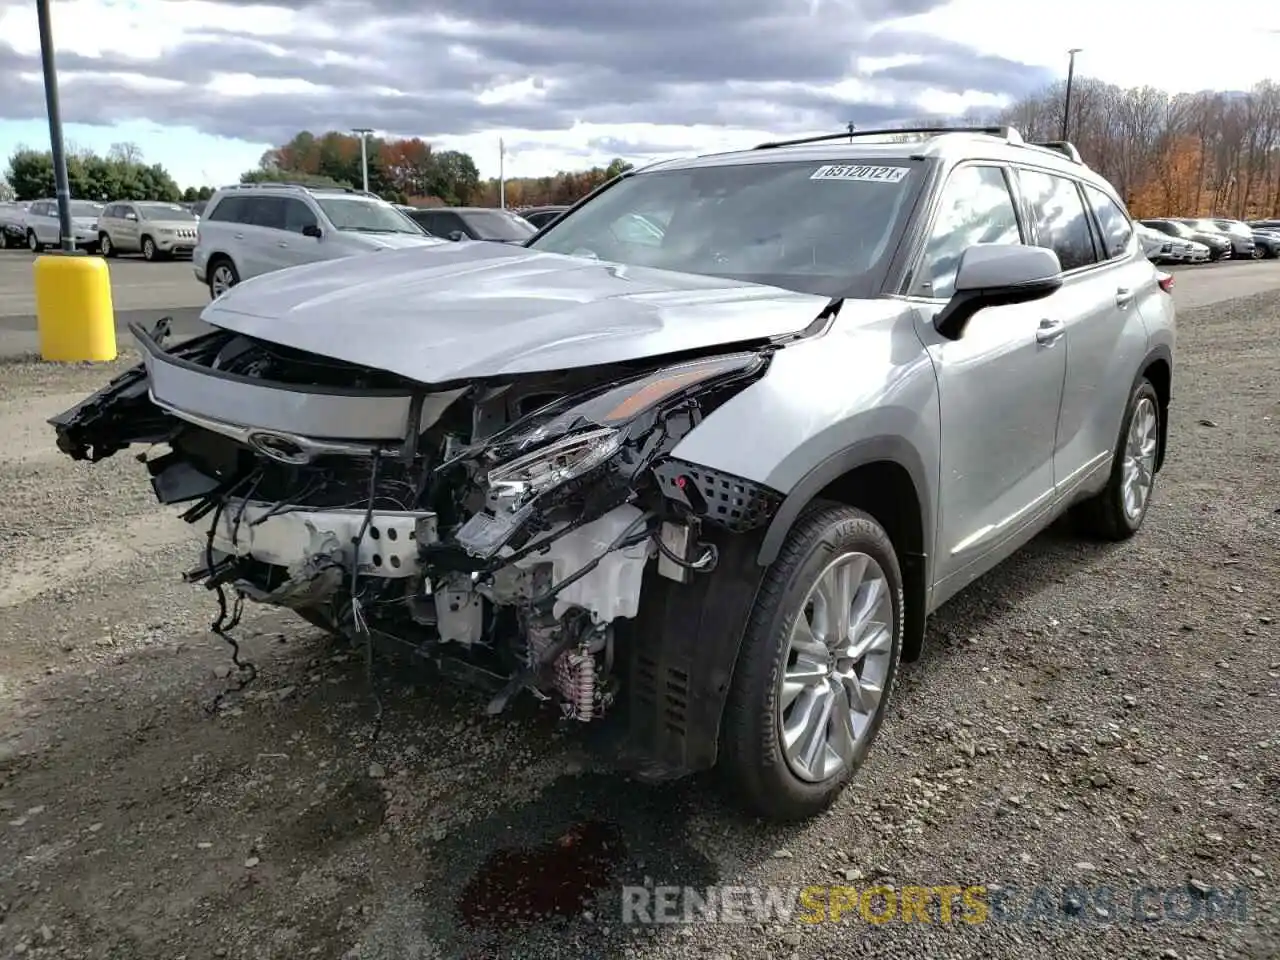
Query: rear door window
{"type": "Point", "coordinates": [1062, 224]}
{"type": "Point", "coordinates": [1114, 223]}
{"type": "Point", "coordinates": [266, 212]}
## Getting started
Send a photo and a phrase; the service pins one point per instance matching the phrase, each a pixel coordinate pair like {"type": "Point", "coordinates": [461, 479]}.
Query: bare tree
{"type": "Point", "coordinates": [1203, 154]}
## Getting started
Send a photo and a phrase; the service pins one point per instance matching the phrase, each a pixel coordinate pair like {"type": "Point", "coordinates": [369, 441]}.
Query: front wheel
{"type": "Point", "coordinates": [105, 246]}
{"type": "Point", "coordinates": [148, 249]}
{"type": "Point", "coordinates": [1117, 512]}
{"type": "Point", "coordinates": [819, 658]}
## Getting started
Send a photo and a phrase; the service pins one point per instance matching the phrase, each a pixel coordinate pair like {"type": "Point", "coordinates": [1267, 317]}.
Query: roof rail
{"type": "Point", "coordinates": [276, 184]}
{"type": "Point", "coordinates": [1004, 132]}
{"type": "Point", "coordinates": [1064, 147]}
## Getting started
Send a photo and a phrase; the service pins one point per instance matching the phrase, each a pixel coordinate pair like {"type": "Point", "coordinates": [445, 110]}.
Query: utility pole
{"type": "Point", "coordinates": [55, 128]}
{"type": "Point", "coordinates": [502, 174]}
{"type": "Point", "coordinates": [1066, 108]}
{"type": "Point", "coordinates": [363, 133]}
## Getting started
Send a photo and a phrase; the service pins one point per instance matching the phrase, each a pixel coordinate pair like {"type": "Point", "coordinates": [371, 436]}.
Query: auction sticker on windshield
{"type": "Point", "coordinates": [860, 172]}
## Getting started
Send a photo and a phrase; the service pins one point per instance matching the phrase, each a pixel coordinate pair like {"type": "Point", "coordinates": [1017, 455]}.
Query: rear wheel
{"type": "Point", "coordinates": [222, 277]}
{"type": "Point", "coordinates": [817, 666]}
{"type": "Point", "coordinates": [33, 242]}
{"type": "Point", "coordinates": [1117, 512]}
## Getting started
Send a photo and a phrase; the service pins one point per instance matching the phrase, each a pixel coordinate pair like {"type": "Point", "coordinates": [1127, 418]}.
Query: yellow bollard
{"type": "Point", "coordinates": [74, 313]}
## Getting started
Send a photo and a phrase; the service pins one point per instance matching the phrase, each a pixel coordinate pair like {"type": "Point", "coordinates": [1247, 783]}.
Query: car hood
{"type": "Point", "coordinates": [84, 223]}
{"type": "Point", "coordinates": [397, 241]}
{"type": "Point", "coordinates": [173, 224]}
{"type": "Point", "coordinates": [489, 309]}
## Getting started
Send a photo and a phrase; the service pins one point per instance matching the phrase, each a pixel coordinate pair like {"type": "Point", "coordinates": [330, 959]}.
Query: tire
{"type": "Point", "coordinates": [105, 246]}
{"type": "Point", "coordinates": [1105, 515]}
{"type": "Point", "coordinates": [220, 268]}
{"type": "Point", "coordinates": [149, 250]}
{"type": "Point", "coordinates": [762, 776]}
{"type": "Point", "coordinates": [33, 242]}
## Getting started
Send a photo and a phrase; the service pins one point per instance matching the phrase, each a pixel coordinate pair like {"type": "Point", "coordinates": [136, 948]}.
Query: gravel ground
{"type": "Point", "coordinates": [1083, 717]}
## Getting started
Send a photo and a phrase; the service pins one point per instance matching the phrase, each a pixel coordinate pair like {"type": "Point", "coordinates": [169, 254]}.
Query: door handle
{"type": "Point", "coordinates": [1050, 330]}
{"type": "Point", "coordinates": [282, 243]}
{"type": "Point", "coordinates": [1124, 296]}
{"type": "Point", "coordinates": [239, 236]}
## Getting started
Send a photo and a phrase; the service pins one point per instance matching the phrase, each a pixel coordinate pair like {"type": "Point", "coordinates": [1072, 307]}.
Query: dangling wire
{"type": "Point", "coordinates": [358, 622]}
{"type": "Point", "coordinates": [222, 625]}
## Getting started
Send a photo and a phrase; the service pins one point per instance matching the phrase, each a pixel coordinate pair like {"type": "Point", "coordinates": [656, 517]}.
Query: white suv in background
{"type": "Point", "coordinates": [252, 229]}
{"type": "Point", "coordinates": [44, 228]}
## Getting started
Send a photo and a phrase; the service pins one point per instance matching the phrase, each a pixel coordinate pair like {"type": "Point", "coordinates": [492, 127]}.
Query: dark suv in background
{"type": "Point", "coordinates": [1240, 235]}
{"type": "Point", "coordinates": [471, 223]}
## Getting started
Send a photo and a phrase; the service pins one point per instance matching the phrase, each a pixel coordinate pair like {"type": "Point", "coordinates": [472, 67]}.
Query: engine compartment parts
{"type": "Point", "coordinates": [505, 530]}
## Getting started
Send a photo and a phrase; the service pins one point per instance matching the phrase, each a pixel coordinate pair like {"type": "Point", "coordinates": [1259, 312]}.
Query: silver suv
{"type": "Point", "coordinates": [251, 229]}
{"type": "Point", "coordinates": [707, 479]}
{"type": "Point", "coordinates": [154, 229]}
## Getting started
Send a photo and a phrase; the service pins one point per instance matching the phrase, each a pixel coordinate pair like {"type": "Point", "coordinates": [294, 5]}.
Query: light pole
{"type": "Point", "coordinates": [1066, 107]}
{"type": "Point", "coordinates": [56, 149]}
{"type": "Point", "coordinates": [363, 133]}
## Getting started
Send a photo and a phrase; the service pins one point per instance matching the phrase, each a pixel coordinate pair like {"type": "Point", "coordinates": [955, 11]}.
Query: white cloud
{"type": "Point", "coordinates": [312, 58]}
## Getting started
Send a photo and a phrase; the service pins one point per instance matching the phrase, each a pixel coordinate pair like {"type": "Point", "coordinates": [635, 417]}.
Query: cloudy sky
{"type": "Point", "coordinates": [204, 86]}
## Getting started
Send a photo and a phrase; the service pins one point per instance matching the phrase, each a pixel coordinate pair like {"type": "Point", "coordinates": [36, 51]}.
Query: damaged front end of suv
{"type": "Point", "coordinates": [528, 532]}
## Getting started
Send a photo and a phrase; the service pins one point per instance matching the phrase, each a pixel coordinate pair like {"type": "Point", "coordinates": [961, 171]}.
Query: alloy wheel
{"type": "Point", "coordinates": [1140, 458]}
{"type": "Point", "coordinates": [222, 280]}
{"type": "Point", "coordinates": [838, 661]}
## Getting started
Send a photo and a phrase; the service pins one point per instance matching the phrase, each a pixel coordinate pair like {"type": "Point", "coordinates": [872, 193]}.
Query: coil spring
{"type": "Point", "coordinates": [577, 676]}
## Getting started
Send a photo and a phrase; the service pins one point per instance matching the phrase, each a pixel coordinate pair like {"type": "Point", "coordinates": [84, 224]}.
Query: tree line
{"type": "Point", "coordinates": [410, 170]}
{"type": "Point", "coordinates": [121, 175]}
{"type": "Point", "coordinates": [1209, 154]}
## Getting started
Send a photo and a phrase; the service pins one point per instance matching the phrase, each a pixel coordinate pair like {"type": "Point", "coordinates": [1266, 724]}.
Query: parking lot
{"type": "Point", "coordinates": [1083, 717]}
{"type": "Point", "coordinates": [140, 291]}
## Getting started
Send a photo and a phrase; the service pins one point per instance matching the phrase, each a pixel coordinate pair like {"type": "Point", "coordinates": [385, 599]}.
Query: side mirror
{"type": "Point", "coordinates": [131, 216]}
{"type": "Point", "coordinates": [312, 230]}
{"type": "Point", "coordinates": [457, 235]}
{"type": "Point", "coordinates": [994, 275]}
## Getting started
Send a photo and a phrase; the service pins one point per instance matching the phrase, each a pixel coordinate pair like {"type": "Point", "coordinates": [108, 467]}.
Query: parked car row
{"type": "Point", "coordinates": [1204, 239]}
{"type": "Point", "coordinates": [251, 229]}
{"type": "Point", "coordinates": [154, 229]}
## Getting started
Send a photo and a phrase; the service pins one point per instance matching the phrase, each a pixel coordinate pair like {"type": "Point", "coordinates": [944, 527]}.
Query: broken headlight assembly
{"type": "Point", "coordinates": [555, 464]}
{"type": "Point", "coordinates": [571, 438]}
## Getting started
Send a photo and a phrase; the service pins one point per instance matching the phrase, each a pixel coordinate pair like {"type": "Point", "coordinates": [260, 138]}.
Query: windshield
{"type": "Point", "coordinates": [164, 211]}
{"type": "Point", "coordinates": [1206, 226]}
{"type": "Point", "coordinates": [1175, 227]}
{"type": "Point", "coordinates": [366, 216]}
{"type": "Point", "coordinates": [499, 225]}
{"type": "Point", "coordinates": [85, 208]}
{"type": "Point", "coordinates": [802, 225]}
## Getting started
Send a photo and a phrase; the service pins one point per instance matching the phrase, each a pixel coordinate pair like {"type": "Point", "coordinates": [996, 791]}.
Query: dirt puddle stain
{"type": "Point", "coordinates": [560, 878]}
